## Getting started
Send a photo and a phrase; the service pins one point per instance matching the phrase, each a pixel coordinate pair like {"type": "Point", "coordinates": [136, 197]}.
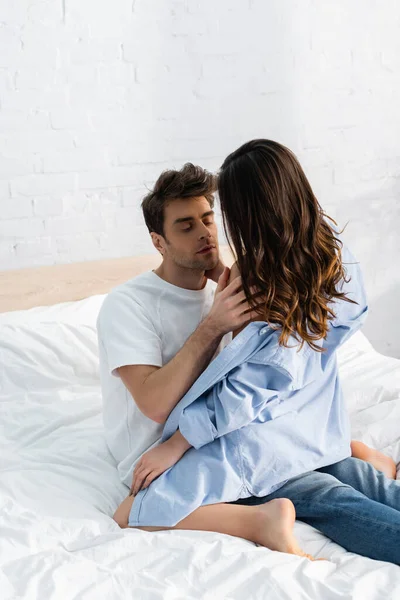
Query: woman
{"type": "Point", "coordinates": [269, 408]}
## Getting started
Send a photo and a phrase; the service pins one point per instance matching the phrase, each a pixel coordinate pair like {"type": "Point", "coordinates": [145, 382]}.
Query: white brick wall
{"type": "Point", "coordinates": [96, 98]}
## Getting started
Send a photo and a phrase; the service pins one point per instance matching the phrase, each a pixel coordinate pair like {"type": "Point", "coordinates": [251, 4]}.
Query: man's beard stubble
{"type": "Point", "coordinates": [202, 263]}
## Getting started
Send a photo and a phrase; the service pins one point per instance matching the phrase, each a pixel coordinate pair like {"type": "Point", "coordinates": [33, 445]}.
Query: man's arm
{"type": "Point", "coordinates": [157, 390]}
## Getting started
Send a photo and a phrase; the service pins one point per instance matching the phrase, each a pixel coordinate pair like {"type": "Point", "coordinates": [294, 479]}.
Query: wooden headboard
{"type": "Point", "coordinates": [44, 286]}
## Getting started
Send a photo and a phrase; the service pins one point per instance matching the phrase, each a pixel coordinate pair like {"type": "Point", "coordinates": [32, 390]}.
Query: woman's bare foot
{"type": "Point", "coordinates": [275, 525]}
{"type": "Point", "coordinates": [377, 459]}
{"type": "Point", "coordinates": [270, 524]}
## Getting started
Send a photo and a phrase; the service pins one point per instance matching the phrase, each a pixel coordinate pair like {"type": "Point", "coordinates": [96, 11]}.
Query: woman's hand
{"type": "Point", "coordinates": [157, 460]}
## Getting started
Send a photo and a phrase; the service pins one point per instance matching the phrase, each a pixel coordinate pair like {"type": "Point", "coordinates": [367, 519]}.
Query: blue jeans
{"type": "Point", "coordinates": [351, 503]}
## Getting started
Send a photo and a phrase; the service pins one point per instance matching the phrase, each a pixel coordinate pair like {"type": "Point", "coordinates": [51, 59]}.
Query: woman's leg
{"type": "Point", "coordinates": [377, 459]}
{"type": "Point", "coordinates": [270, 525]}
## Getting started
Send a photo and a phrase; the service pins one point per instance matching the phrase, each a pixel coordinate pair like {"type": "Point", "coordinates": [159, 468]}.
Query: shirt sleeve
{"type": "Point", "coordinates": [233, 403]}
{"type": "Point", "coordinates": [127, 334]}
{"type": "Point", "coordinates": [349, 317]}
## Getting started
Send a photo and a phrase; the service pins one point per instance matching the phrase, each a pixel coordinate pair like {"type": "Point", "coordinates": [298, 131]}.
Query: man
{"type": "Point", "coordinates": [158, 332]}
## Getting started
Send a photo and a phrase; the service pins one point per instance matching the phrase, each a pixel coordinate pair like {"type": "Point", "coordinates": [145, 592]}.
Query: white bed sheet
{"type": "Point", "coordinates": [59, 485]}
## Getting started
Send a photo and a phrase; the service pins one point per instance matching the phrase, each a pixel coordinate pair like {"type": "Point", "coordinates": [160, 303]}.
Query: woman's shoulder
{"type": "Point", "coordinates": [234, 272]}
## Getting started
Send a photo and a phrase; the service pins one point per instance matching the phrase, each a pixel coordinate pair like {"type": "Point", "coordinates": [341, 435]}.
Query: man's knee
{"type": "Point", "coordinates": [317, 485]}
{"type": "Point", "coordinates": [349, 470]}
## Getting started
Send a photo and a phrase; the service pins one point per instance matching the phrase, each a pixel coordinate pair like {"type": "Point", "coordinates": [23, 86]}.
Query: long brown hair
{"type": "Point", "coordinates": [282, 240]}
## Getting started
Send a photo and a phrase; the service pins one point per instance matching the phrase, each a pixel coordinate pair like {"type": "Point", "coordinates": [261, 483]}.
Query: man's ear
{"type": "Point", "coordinates": [158, 242]}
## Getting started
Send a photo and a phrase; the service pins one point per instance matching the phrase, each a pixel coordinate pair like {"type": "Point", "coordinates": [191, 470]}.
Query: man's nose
{"type": "Point", "coordinates": [205, 233]}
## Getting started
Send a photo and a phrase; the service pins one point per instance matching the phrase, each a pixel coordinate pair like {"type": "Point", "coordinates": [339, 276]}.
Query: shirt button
{"type": "Point", "coordinates": [263, 330]}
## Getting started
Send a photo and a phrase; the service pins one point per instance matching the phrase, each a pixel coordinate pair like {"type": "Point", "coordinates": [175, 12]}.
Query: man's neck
{"type": "Point", "coordinates": [188, 279]}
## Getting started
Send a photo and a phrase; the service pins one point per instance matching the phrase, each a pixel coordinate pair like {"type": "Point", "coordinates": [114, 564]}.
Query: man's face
{"type": "Point", "coordinates": [190, 234]}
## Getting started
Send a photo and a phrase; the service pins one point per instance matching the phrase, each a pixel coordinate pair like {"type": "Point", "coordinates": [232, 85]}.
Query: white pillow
{"type": "Point", "coordinates": [80, 311]}
{"type": "Point", "coordinates": [49, 348]}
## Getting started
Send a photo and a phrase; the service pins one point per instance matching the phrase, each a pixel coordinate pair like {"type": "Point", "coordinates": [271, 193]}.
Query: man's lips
{"type": "Point", "coordinates": [206, 249]}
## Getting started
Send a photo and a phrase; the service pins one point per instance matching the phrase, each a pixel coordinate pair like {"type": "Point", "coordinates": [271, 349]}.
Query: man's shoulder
{"type": "Point", "coordinates": [135, 287]}
{"type": "Point", "coordinates": [132, 295]}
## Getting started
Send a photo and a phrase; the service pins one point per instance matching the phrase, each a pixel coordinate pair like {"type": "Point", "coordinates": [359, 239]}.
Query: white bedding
{"type": "Point", "coordinates": [59, 485]}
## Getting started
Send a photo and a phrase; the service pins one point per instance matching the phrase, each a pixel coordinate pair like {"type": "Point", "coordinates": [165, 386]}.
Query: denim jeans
{"type": "Point", "coordinates": [351, 503]}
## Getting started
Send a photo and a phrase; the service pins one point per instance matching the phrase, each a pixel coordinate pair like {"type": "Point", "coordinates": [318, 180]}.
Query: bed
{"type": "Point", "coordinates": [59, 484]}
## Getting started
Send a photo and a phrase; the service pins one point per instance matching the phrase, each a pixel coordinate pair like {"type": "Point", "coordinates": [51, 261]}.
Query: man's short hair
{"type": "Point", "coordinates": [190, 181]}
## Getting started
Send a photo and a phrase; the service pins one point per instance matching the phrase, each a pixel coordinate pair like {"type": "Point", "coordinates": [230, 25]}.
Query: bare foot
{"type": "Point", "coordinates": [377, 459]}
{"type": "Point", "coordinates": [275, 524]}
{"type": "Point", "coordinates": [274, 521]}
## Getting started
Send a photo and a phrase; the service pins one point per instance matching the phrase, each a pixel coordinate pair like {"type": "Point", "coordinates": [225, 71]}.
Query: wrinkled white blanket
{"type": "Point", "coordinates": [59, 485]}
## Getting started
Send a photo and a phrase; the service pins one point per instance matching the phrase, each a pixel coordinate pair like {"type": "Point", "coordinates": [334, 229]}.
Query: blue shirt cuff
{"type": "Point", "coordinates": [195, 425]}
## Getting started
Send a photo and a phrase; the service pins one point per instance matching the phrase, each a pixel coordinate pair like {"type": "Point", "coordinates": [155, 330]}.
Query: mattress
{"type": "Point", "coordinates": [59, 485]}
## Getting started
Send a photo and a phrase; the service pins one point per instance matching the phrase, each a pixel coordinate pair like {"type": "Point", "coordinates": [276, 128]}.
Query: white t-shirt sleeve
{"type": "Point", "coordinates": [127, 334]}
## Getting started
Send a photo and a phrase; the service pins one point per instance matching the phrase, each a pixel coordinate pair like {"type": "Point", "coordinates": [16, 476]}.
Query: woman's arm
{"type": "Point", "coordinates": [233, 403]}
{"type": "Point", "coordinates": [229, 405]}
{"type": "Point", "coordinates": [157, 460]}
{"type": "Point", "coordinates": [349, 316]}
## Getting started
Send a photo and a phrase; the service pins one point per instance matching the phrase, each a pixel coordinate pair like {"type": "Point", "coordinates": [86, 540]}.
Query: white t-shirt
{"type": "Point", "coordinates": [144, 321]}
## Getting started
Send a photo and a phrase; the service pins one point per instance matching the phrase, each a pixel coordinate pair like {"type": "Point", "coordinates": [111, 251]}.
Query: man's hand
{"type": "Point", "coordinates": [230, 310]}
{"type": "Point", "coordinates": [157, 460]}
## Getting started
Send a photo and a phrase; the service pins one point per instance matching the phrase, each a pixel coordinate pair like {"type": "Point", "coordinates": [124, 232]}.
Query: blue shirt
{"type": "Point", "coordinates": [259, 415]}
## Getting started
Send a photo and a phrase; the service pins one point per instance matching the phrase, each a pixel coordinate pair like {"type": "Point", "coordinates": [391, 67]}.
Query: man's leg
{"type": "Point", "coordinates": [343, 514]}
{"type": "Point", "coordinates": [377, 459]}
{"type": "Point", "coordinates": [270, 525]}
{"type": "Point", "coordinates": [364, 478]}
